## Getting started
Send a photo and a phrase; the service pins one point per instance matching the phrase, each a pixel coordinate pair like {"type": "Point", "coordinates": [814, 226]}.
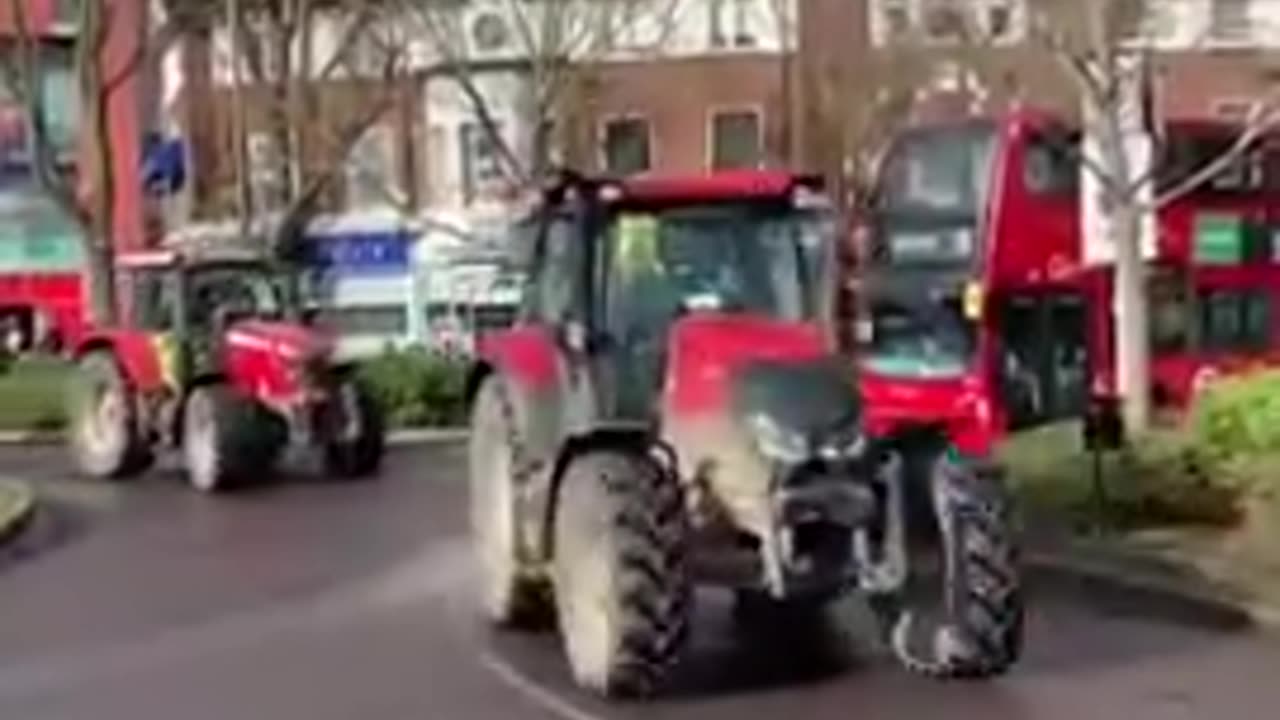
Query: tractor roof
{"type": "Point", "coordinates": [162, 258]}
{"type": "Point", "coordinates": [725, 186]}
{"type": "Point", "coordinates": [659, 190]}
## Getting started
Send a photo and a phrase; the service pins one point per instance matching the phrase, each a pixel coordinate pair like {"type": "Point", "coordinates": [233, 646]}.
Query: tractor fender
{"type": "Point", "coordinates": [629, 437]}
{"type": "Point", "coordinates": [136, 352]}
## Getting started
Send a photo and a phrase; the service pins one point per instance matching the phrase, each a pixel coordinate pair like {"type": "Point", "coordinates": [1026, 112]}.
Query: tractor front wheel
{"type": "Point", "coordinates": [965, 619]}
{"type": "Point", "coordinates": [621, 581]}
{"type": "Point", "coordinates": [507, 596]}
{"type": "Point", "coordinates": [106, 439]}
{"type": "Point", "coordinates": [221, 439]}
{"type": "Point", "coordinates": [356, 437]}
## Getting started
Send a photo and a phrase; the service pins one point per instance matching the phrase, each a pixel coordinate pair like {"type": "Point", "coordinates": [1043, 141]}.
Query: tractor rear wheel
{"type": "Point", "coordinates": [621, 581]}
{"type": "Point", "coordinates": [965, 620]}
{"type": "Point", "coordinates": [106, 438]}
{"type": "Point", "coordinates": [356, 434]}
{"type": "Point", "coordinates": [507, 596]}
{"type": "Point", "coordinates": [223, 439]}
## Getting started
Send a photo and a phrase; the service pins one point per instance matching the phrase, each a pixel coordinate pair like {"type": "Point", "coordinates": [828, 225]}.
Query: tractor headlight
{"type": "Point", "coordinates": [777, 442]}
{"type": "Point", "coordinates": [847, 444]}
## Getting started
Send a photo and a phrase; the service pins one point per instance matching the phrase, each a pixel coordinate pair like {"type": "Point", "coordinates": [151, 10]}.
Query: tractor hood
{"type": "Point", "coordinates": [288, 341]}
{"type": "Point", "coordinates": [776, 382]}
{"type": "Point", "coordinates": [708, 352]}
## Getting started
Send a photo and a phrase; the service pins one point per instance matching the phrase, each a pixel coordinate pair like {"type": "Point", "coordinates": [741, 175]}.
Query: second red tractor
{"type": "Point", "coordinates": [214, 360]}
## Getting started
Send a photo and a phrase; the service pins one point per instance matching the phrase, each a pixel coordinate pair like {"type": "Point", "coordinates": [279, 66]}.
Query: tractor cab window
{"type": "Point", "coordinates": [218, 294]}
{"type": "Point", "coordinates": [154, 300]}
{"type": "Point", "coordinates": [724, 258]}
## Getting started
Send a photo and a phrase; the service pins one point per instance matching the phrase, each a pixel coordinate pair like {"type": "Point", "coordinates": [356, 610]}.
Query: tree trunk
{"type": "Point", "coordinates": [100, 284]}
{"type": "Point", "coordinates": [1132, 337]}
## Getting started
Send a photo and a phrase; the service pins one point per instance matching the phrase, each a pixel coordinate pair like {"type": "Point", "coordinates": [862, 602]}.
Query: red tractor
{"type": "Point", "coordinates": [214, 360]}
{"type": "Point", "coordinates": [669, 410]}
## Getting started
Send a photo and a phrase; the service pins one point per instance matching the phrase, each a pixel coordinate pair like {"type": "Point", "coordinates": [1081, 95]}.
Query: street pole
{"type": "Point", "coordinates": [244, 198]}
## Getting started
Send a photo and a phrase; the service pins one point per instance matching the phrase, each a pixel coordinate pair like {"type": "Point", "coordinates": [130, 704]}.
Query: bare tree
{"type": "Point", "coordinates": [1097, 42]}
{"type": "Point", "coordinates": [279, 73]}
{"type": "Point", "coordinates": [552, 44]}
{"type": "Point", "coordinates": [81, 179]}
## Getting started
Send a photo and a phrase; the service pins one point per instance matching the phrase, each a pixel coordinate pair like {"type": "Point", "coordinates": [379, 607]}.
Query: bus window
{"type": "Point", "coordinates": [1235, 320]}
{"type": "Point", "coordinates": [1051, 165]}
{"type": "Point", "coordinates": [1171, 315]}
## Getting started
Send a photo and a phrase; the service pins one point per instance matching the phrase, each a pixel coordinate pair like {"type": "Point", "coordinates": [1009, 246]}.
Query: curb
{"type": "Point", "coordinates": [16, 520]}
{"type": "Point", "coordinates": [1261, 614]}
{"type": "Point", "coordinates": [396, 437]}
{"type": "Point", "coordinates": [427, 436]}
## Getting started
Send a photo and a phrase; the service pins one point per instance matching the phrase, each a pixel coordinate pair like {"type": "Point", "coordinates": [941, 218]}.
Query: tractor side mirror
{"type": "Point", "coordinates": [1103, 425]}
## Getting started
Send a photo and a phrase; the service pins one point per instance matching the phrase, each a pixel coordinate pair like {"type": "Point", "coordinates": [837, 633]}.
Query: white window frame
{"type": "Point", "coordinates": [976, 14]}
{"type": "Point", "coordinates": [602, 133]}
{"type": "Point", "coordinates": [715, 111]}
{"type": "Point", "coordinates": [731, 26]}
{"type": "Point", "coordinates": [377, 139]}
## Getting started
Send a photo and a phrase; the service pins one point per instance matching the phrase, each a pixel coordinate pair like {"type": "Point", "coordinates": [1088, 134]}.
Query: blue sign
{"type": "Point", "coordinates": [367, 252]}
{"type": "Point", "coordinates": [164, 165]}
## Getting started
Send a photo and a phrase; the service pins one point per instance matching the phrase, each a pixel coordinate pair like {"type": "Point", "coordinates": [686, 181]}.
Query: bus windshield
{"type": "Point", "coordinates": [941, 170]}
{"type": "Point", "coordinates": [919, 342]}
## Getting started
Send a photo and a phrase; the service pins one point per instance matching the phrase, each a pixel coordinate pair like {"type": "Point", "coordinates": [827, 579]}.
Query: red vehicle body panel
{"type": "Point", "coordinates": [266, 359]}
{"type": "Point", "coordinates": [135, 351]}
{"type": "Point", "coordinates": [58, 296]}
{"type": "Point", "coordinates": [706, 349]}
{"type": "Point", "coordinates": [961, 407]}
{"type": "Point", "coordinates": [526, 354]}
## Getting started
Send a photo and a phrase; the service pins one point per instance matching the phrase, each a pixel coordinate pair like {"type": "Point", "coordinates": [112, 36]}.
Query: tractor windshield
{"type": "Point", "coordinates": [722, 257]}
{"type": "Point", "coordinates": [240, 291]}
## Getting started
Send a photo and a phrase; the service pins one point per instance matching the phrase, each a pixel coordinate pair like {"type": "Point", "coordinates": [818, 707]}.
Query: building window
{"type": "Point", "coordinates": [730, 24]}
{"type": "Point", "coordinates": [626, 146]}
{"type": "Point", "coordinates": [370, 170]}
{"type": "Point", "coordinates": [481, 160]}
{"type": "Point", "coordinates": [943, 21]}
{"type": "Point", "coordinates": [736, 140]}
{"type": "Point", "coordinates": [1230, 20]}
{"type": "Point", "coordinates": [368, 320]}
{"type": "Point", "coordinates": [66, 12]}
{"type": "Point", "coordinates": [266, 171]}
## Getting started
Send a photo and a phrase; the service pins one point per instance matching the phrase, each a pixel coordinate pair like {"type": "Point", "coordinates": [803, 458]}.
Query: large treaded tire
{"type": "Point", "coordinates": [978, 632]}
{"type": "Point", "coordinates": [623, 591]}
{"type": "Point", "coordinates": [226, 439]}
{"type": "Point", "coordinates": [106, 438]}
{"type": "Point", "coordinates": [508, 598]}
{"type": "Point", "coordinates": [358, 456]}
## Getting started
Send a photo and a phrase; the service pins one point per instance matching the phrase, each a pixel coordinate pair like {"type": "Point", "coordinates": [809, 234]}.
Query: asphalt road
{"type": "Point", "coordinates": [317, 600]}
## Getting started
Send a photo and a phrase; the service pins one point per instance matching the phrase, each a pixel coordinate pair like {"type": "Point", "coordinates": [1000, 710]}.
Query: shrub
{"type": "Point", "coordinates": [1159, 479]}
{"type": "Point", "coordinates": [1239, 416]}
{"type": "Point", "coordinates": [417, 388]}
{"type": "Point", "coordinates": [1235, 426]}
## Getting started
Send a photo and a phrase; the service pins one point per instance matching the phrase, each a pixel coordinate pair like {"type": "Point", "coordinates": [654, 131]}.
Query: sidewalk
{"type": "Point", "coordinates": [1214, 569]}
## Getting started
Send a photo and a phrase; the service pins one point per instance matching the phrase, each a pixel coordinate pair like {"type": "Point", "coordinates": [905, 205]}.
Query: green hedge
{"type": "Point", "coordinates": [1159, 479]}
{"type": "Point", "coordinates": [417, 388]}
{"type": "Point", "coordinates": [31, 393]}
{"type": "Point", "coordinates": [1235, 428]}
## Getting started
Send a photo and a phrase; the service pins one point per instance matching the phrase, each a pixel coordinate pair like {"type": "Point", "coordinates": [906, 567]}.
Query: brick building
{"type": "Point", "coordinates": [1212, 58]}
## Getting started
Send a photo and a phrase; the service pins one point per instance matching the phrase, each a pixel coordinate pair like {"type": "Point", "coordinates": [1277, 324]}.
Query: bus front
{"type": "Point", "coordinates": [921, 337]}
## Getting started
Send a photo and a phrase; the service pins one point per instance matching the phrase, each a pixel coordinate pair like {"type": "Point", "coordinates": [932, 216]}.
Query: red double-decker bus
{"type": "Point", "coordinates": [980, 312]}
